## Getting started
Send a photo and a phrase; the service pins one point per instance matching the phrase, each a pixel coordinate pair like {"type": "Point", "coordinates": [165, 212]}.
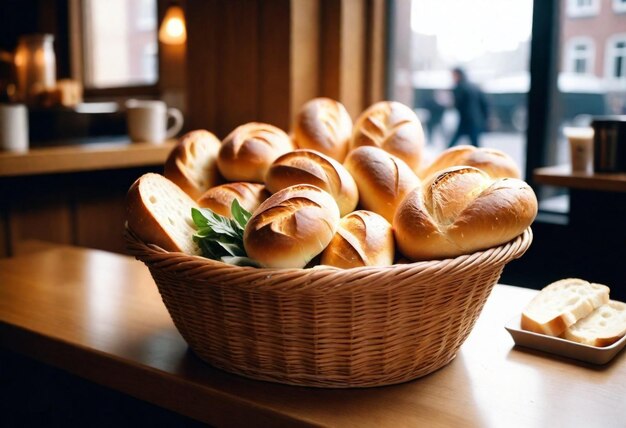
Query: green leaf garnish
{"type": "Point", "coordinates": [221, 238]}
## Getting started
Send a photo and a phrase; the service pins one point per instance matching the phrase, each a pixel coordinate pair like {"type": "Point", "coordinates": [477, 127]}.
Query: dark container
{"type": "Point", "coordinates": [609, 144]}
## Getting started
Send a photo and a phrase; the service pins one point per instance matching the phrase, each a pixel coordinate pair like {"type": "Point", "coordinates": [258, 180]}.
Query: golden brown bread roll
{"type": "Point", "coordinates": [461, 210]}
{"type": "Point", "coordinates": [393, 127]}
{"type": "Point", "coordinates": [192, 163]}
{"type": "Point", "coordinates": [382, 179]}
{"type": "Point", "coordinates": [324, 125]}
{"type": "Point", "coordinates": [291, 227]}
{"type": "Point", "coordinates": [312, 167]}
{"type": "Point", "coordinates": [159, 212]}
{"type": "Point", "coordinates": [249, 150]}
{"type": "Point", "coordinates": [219, 199]}
{"type": "Point", "coordinates": [363, 238]}
{"type": "Point", "coordinates": [494, 162]}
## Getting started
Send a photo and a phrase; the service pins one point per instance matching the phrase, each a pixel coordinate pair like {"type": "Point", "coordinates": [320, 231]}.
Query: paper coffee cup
{"type": "Point", "coordinates": [581, 148]}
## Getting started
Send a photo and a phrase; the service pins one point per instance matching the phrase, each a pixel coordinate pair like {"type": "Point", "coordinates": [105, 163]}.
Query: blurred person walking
{"type": "Point", "coordinates": [471, 104]}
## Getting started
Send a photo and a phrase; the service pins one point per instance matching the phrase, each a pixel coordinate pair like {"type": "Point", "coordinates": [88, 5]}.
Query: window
{"type": "Point", "coordinates": [619, 6]}
{"type": "Point", "coordinates": [490, 40]}
{"type": "Point", "coordinates": [582, 8]}
{"type": "Point", "coordinates": [616, 58]}
{"type": "Point", "coordinates": [124, 54]}
{"type": "Point", "coordinates": [579, 57]}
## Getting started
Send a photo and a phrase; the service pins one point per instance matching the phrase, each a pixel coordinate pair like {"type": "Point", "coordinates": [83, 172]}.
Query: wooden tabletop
{"type": "Point", "coordinates": [99, 316]}
{"type": "Point", "coordinates": [562, 175]}
{"type": "Point", "coordinates": [83, 157]}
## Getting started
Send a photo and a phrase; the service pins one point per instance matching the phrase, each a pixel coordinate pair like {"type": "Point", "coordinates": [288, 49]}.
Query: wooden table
{"type": "Point", "coordinates": [99, 316]}
{"type": "Point", "coordinates": [562, 176]}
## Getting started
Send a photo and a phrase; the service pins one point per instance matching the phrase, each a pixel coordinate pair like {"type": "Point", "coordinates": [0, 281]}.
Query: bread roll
{"type": "Point", "coordinates": [219, 199]}
{"type": "Point", "coordinates": [363, 238]}
{"type": "Point", "coordinates": [382, 179]}
{"type": "Point", "coordinates": [324, 125]}
{"type": "Point", "coordinates": [494, 162]}
{"type": "Point", "coordinates": [561, 304]}
{"type": "Point", "coordinates": [312, 167]}
{"type": "Point", "coordinates": [249, 150]}
{"type": "Point", "coordinates": [192, 164]}
{"type": "Point", "coordinates": [462, 210]}
{"type": "Point", "coordinates": [159, 212]}
{"type": "Point", "coordinates": [603, 327]}
{"type": "Point", "coordinates": [291, 227]}
{"type": "Point", "coordinates": [393, 127]}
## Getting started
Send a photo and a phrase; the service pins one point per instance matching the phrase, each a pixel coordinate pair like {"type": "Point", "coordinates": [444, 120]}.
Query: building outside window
{"type": "Point", "coordinates": [616, 58]}
{"type": "Point", "coordinates": [619, 6]}
{"type": "Point", "coordinates": [582, 8]}
{"type": "Point", "coordinates": [580, 55]}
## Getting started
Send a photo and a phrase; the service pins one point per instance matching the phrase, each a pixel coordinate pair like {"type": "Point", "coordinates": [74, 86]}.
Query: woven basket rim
{"type": "Point", "coordinates": [200, 268]}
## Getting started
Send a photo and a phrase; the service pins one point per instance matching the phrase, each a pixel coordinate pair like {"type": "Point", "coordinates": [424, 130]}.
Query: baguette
{"type": "Point", "coordinates": [603, 327]}
{"type": "Point", "coordinates": [561, 304]}
{"type": "Point", "coordinates": [159, 212]}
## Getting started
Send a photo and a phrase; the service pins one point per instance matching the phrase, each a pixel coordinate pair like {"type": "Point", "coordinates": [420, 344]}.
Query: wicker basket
{"type": "Point", "coordinates": [327, 327]}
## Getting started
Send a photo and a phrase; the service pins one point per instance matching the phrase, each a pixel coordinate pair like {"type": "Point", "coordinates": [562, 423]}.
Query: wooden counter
{"type": "Point", "coordinates": [72, 194]}
{"type": "Point", "coordinates": [99, 316]}
{"type": "Point", "coordinates": [563, 176]}
{"type": "Point", "coordinates": [83, 157]}
{"type": "Point", "coordinates": [594, 247]}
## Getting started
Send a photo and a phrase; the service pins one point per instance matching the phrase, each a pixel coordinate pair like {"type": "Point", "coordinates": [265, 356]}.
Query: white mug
{"type": "Point", "coordinates": [13, 127]}
{"type": "Point", "coordinates": [147, 121]}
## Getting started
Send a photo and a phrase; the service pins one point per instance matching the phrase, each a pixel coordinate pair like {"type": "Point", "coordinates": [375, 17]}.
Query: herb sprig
{"type": "Point", "coordinates": [221, 238]}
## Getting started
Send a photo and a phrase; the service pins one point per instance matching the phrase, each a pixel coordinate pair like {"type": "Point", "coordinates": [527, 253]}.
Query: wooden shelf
{"type": "Point", "coordinates": [83, 157]}
{"type": "Point", "coordinates": [563, 176]}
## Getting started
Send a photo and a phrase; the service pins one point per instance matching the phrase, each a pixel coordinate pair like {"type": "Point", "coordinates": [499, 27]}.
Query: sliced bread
{"type": "Point", "coordinates": [159, 212]}
{"type": "Point", "coordinates": [603, 327]}
{"type": "Point", "coordinates": [561, 304]}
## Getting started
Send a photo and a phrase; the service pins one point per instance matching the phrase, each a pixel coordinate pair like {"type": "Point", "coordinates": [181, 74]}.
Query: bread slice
{"type": "Point", "coordinates": [603, 327]}
{"type": "Point", "coordinates": [561, 304]}
{"type": "Point", "coordinates": [159, 212]}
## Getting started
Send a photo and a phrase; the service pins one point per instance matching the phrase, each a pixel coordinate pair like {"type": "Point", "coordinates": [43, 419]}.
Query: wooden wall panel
{"type": "Point", "coordinates": [238, 62]}
{"type": "Point", "coordinates": [305, 58]}
{"type": "Point", "coordinates": [38, 208]}
{"type": "Point", "coordinates": [353, 46]}
{"type": "Point", "coordinates": [202, 64]}
{"type": "Point", "coordinates": [253, 60]}
{"type": "Point", "coordinates": [375, 52]}
{"type": "Point", "coordinates": [274, 91]}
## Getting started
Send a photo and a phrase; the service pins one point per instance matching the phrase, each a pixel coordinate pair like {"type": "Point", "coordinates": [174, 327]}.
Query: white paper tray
{"type": "Point", "coordinates": [562, 347]}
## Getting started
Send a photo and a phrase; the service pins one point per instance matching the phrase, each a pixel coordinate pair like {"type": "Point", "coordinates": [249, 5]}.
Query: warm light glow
{"type": "Point", "coordinates": [173, 29]}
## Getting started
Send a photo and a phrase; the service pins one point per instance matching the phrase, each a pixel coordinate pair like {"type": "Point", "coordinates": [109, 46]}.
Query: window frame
{"type": "Point", "coordinates": [575, 10]}
{"type": "Point", "coordinates": [571, 54]}
{"type": "Point", "coordinates": [610, 54]}
{"type": "Point", "coordinates": [77, 59]}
